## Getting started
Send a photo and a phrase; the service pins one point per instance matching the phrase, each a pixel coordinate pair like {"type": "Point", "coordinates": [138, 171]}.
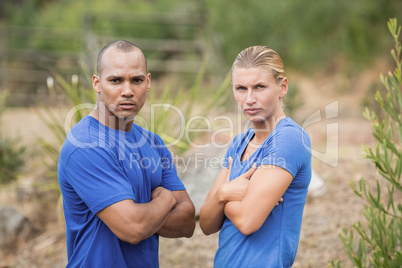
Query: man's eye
{"type": "Point", "coordinates": [137, 80]}
{"type": "Point", "coordinates": [114, 80]}
{"type": "Point", "coordinates": [260, 86]}
{"type": "Point", "coordinates": [241, 88]}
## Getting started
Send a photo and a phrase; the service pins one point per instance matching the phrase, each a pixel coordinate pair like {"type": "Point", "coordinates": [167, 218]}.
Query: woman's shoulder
{"type": "Point", "coordinates": [287, 125]}
{"type": "Point", "coordinates": [239, 138]}
{"type": "Point", "coordinates": [289, 132]}
{"type": "Point", "coordinates": [288, 122]}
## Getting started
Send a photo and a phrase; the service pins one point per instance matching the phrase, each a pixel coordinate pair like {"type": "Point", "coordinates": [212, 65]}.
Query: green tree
{"type": "Point", "coordinates": [379, 242]}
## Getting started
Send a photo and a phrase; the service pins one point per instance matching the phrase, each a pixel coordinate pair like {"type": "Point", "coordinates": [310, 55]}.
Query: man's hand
{"type": "Point", "coordinates": [164, 193]}
{"type": "Point", "coordinates": [155, 192]}
{"type": "Point", "coordinates": [180, 222]}
{"type": "Point", "coordinates": [133, 222]}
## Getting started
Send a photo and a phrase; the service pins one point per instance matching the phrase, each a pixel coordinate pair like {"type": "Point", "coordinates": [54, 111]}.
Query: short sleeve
{"type": "Point", "coordinates": [226, 158]}
{"type": "Point", "coordinates": [288, 148]}
{"type": "Point", "coordinates": [231, 150]}
{"type": "Point", "coordinates": [170, 179]}
{"type": "Point", "coordinates": [97, 177]}
{"type": "Point", "coordinates": [229, 153]}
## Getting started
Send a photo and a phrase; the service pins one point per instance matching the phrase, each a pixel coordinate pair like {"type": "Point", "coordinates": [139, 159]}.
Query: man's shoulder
{"type": "Point", "coordinates": [80, 133]}
{"type": "Point", "coordinates": [79, 136]}
{"type": "Point", "coordinates": [147, 134]}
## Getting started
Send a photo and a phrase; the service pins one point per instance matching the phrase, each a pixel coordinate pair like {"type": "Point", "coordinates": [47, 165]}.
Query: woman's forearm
{"type": "Point", "coordinates": [235, 211]}
{"type": "Point", "coordinates": [212, 214]}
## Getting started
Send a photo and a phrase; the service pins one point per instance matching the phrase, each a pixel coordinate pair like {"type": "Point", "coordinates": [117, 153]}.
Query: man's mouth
{"type": "Point", "coordinates": [127, 105]}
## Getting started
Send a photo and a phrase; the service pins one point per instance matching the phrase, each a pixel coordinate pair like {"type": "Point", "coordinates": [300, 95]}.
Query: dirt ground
{"type": "Point", "coordinates": [324, 217]}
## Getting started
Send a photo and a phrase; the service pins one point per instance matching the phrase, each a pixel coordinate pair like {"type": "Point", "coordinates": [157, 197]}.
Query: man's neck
{"type": "Point", "coordinates": [122, 124]}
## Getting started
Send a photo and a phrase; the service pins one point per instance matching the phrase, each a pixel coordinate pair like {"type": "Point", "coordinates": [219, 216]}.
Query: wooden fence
{"type": "Point", "coordinates": [29, 55]}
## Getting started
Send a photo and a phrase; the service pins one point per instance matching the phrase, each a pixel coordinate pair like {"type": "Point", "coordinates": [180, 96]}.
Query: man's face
{"type": "Point", "coordinates": [122, 84]}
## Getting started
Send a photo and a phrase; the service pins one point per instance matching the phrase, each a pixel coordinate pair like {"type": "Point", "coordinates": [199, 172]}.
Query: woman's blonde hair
{"type": "Point", "coordinates": [260, 57]}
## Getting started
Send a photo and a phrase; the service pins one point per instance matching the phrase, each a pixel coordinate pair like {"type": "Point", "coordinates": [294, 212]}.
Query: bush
{"type": "Point", "coordinates": [11, 161]}
{"type": "Point", "coordinates": [379, 242]}
{"type": "Point", "coordinates": [293, 100]}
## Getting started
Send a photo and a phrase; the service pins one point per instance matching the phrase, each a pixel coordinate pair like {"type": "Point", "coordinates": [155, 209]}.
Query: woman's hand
{"type": "Point", "coordinates": [236, 189]}
{"type": "Point", "coordinates": [269, 183]}
{"type": "Point", "coordinates": [280, 201]}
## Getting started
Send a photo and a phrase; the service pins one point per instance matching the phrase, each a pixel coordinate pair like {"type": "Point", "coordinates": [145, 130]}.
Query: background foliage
{"type": "Point", "coordinates": [11, 152]}
{"type": "Point", "coordinates": [378, 242]}
{"type": "Point", "coordinates": [308, 34]}
{"type": "Point", "coordinates": [341, 36]}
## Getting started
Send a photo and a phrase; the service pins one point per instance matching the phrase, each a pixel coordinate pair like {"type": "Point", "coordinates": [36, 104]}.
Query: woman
{"type": "Point", "coordinates": [269, 161]}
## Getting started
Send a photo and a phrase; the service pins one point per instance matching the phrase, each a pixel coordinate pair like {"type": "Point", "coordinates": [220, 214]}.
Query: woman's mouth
{"type": "Point", "coordinates": [251, 111]}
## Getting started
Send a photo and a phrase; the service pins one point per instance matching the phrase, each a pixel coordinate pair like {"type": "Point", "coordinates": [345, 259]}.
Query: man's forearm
{"type": "Point", "coordinates": [133, 222]}
{"type": "Point", "coordinates": [180, 221]}
{"type": "Point", "coordinates": [156, 213]}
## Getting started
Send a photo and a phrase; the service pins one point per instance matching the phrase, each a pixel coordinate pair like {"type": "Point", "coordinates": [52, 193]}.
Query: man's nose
{"type": "Point", "coordinates": [128, 90]}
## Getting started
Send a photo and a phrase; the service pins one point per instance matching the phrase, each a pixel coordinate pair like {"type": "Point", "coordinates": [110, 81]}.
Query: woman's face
{"type": "Point", "coordinates": [258, 94]}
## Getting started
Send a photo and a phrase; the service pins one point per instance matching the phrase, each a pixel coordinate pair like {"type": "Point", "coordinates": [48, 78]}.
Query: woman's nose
{"type": "Point", "coordinates": [250, 97]}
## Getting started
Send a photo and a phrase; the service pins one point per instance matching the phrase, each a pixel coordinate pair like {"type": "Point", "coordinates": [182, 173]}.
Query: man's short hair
{"type": "Point", "coordinates": [121, 45]}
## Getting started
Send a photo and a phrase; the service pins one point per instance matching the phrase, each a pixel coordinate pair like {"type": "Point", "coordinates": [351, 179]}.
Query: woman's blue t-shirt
{"type": "Point", "coordinates": [275, 243]}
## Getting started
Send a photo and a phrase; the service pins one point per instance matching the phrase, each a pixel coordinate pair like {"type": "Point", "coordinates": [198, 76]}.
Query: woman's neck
{"type": "Point", "coordinates": [264, 128]}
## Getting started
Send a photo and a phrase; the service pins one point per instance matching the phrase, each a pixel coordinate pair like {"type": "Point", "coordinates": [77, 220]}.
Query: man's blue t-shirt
{"type": "Point", "coordinates": [276, 242]}
{"type": "Point", "coordinates": [99, 166]}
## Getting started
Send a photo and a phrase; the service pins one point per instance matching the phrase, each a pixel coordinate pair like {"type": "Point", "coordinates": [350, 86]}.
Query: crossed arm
{"type": "Point", "coordinates": [247, 203]}
{"type": "Point", "coordinates": [169, 214]}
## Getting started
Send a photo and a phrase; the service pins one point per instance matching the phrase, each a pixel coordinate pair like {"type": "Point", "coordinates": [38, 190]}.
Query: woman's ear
{"type": "Point", "coordinates": [283, 87]}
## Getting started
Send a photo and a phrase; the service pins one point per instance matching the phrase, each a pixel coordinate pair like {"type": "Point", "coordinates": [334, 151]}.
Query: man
{"type": "Point", "coordinates": [119, 184]}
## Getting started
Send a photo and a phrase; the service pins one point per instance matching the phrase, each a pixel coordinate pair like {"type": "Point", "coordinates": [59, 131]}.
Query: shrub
{"type": "Point", "coordinates": [379, 242]}
{"type": "Point", "coordinates": [11, 153]}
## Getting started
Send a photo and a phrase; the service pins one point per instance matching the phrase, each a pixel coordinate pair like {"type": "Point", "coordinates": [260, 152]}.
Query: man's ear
{"type": "Point", "coordinates": [96, 83]}
{"type": "Point", "coordinates": [149, 81]}
{"type": "Point", "coordinates": [283, 87]}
